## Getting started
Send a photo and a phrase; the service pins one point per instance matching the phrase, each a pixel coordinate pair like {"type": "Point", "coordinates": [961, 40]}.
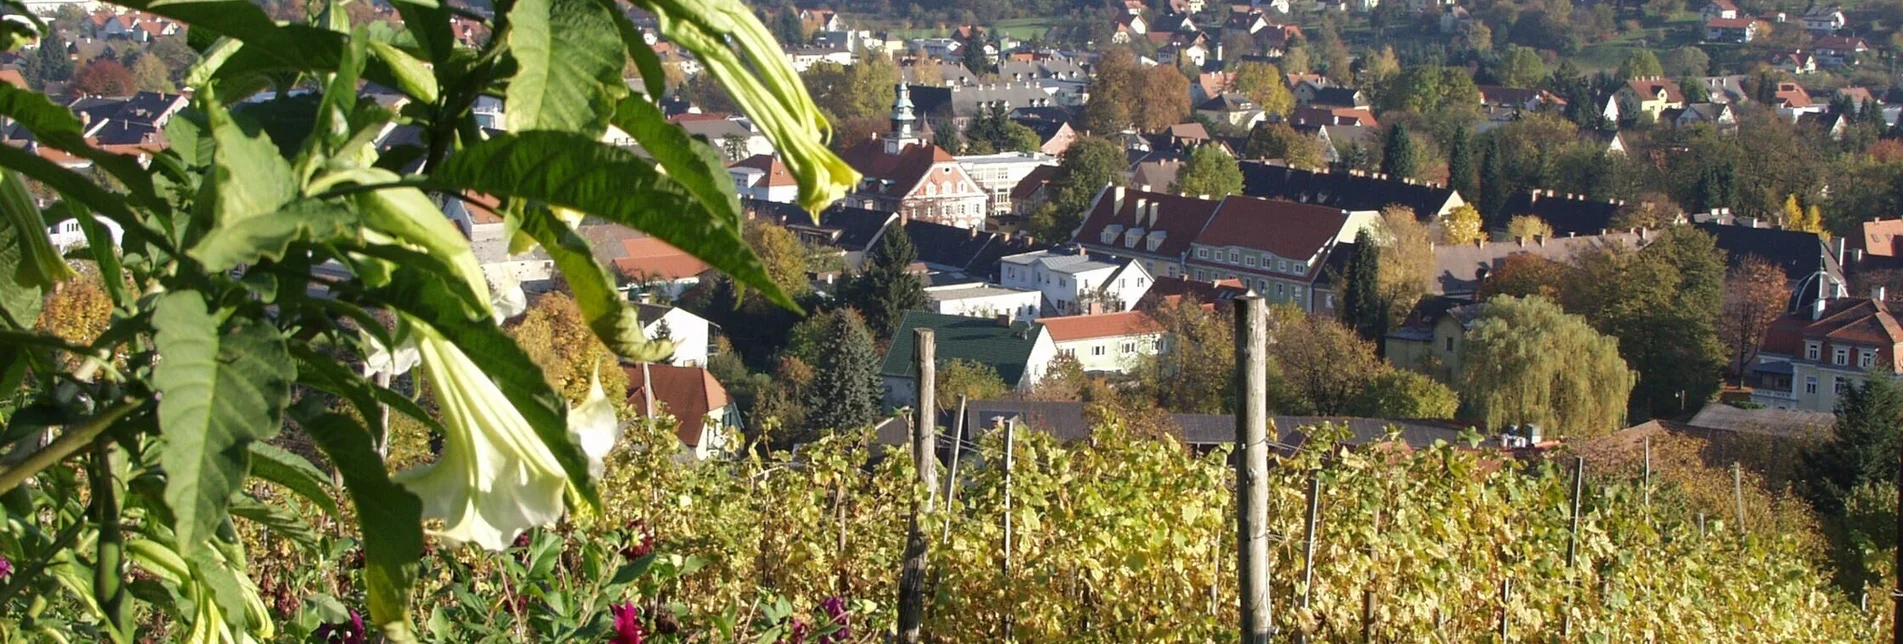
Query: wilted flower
{"type": "Point", "coordinates": [592, 424]}
{"type": "Point", "coordinates": [835, 608]}
{"type": "Point", "coordinates": [392, 361]}
{"type": "Point", "coordinates": [507, 297]}
{"type": "Point", "coordinates": [627, 624]}
{"type": "Point", "coordinates": [350, 632]}
{"type": "Point", "coordinates": [640, 541]}
{"type": "Point", "coordinates": [6, 568]}
{"type": "Point", "coordinates": [495, 477]}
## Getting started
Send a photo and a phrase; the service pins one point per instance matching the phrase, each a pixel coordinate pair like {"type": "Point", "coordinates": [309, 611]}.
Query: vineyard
{"type": "Point", "coordinates": [1131, 538]}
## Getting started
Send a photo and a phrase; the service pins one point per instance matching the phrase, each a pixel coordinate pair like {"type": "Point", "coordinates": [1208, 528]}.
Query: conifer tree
{"type": "Point", "coordinates": [1361, 306]}
{"type": "Point", "coordinates": [885, 289]}
{"type": "Point", "coordinates": [845, 392]}
{"type": "Point", "coordinates": [1863, 448]}
{"type": "Point", "coordinates": [1397, 154]}
{"type": "Point", "coordinates": [1493, 182]}
{"type": "Point", "coordinates": [1461, 175]}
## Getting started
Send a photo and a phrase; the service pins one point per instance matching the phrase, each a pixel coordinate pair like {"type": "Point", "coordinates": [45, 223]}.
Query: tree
{"type": "Point", "coordinates": [1755, 295]}
{"type": "Point", "coordinates": [1318, 366]}
{"type": "Point", "coordinates": [1361, 305]}
{"type": "Point", "coordinates": [1685, 62]}
{"type": "Point", "coordinates": [150, 75]}
{"type": "Point", "coordinates": [1209, 171]}
{"type": "Point", "coordinates": [886, 288]}
{"type": "Point", "coordinates": [846, 391]}
{"type": "Point", "coordinates": [176, 55]}
{"type": "Point", "coordinates": [1380, 69]}
{"type": "Point", "coordinates": [1265, 85]}
{"type": "Point", "coordinates": [973, 380]}
{"type": "Point", "coordinates": [1494, 188]}
{"type": "Point", "coordinates": [1462, 176]}
{"type": "Point", "coordinates": [1863, 447]}
{"type": "Point", "coordinates": [787, 27]}
{"type": "Point", "coordinates": [1427, 89]}
{"type": "Point", "coordinates": [1641, 63]}
{"type": "Point", "coordinates": [1463, 226]}
{"type": "Point", "coordinates": [1528, 228]}
{"type": "Point", "coordinates": [1526, 361]}
{"type": "Point", "coordinates": [1197, 374]}
{"type": "Point", "coordinates": [1400, 393]}
{"type": "Point", "coordinates": [780, 250]}
{"type": "Point", "coordinates": [1280, 141]}
{"type": "Point", "coordinates": [49, 63]}
{"type": "Point", "coordinates": [1116, 89]}
{"type": "Point", "coordinates": [1521, 67]}
{"type": "Point", "coordinates": [1406, 262]}
{"type": "Point", "coordinates": [1793, 214]}
{"type": "Point", "coordinates": [1663, 304]}
{"type": "Point", "coordinates": [1090, 164]}
{"type": "Point", "coordinates": [556, 337]}
{"type": "Point", "coordinates": [105, 77]}
{"type": "Point", "coordinates": [1164, 99]}
{"type": "Point", "coordinates": [1525, 275]}
{"type": "Point", "coordinates": [1397, 153]}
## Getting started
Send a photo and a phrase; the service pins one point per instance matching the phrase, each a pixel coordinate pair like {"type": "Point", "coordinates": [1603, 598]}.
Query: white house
{"type": "Point", "coordinates": [1108, 342]}
{"type": "Point", "coordinates": [997, 174]}
{"type": "Point", "coordinates": [707, 421]}
{"type": "Point", "coordinates": [1824, 20]}
{"type": "Point", "coordinates": [1719, 9]}
{"type": "Point", "coordinates": [1074, 282]}
{"type": "Point", "coordinates": [690, 333]}
{"type": "Point", "coordinates": [66, 234]}
{"type": "Point", "coordinates": [765, 178]}
{"type": "Point", "coordinates": [985, 301]}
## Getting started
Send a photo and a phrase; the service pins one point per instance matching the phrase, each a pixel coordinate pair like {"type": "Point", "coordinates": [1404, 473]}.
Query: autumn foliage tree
{"type": "Point", "coordinates": [1197, 374]}
{"type": "Point", "coordinates": [1527, 361]}
{"type": "Point", "coordinates": [105, 77]}
{"type": "Point", "coordinates": [1755, 294]}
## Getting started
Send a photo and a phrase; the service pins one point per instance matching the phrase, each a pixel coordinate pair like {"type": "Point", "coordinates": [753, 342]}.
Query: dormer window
{"type": "Point", "coordinates": [1866, 358]}
{"type": "Point", "coordinates": [1813, 351]}
{"type": "Point", "coordinates": [1250, 260]}
{"type": "Point", "coordinates": [1840, 356]}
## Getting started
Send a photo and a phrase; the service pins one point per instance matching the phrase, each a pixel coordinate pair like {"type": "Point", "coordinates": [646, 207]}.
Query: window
{"type": "Point", "coordinates": [1129, 347]}
{"type": "Point", "coordinates": [1139, 282]}
{"type": "Point", "coordinates": [1301, 268]}
{"type": "Point", "coordinates": [1250, 260]}
{"type": "Point", "coordinates": [1810, 384]}
{"type": "Point", "coordinates": [1202, 253]}
{"type": "Point", "coordinates": [1235, 257]}
{"type": "Point", "coordinates": [1838, 384]}
{"type": "Point", "coordinates": [1840, 356]}
{"type": "Point", "coordinates": [1096, 350]}
{"type": "Point", "coordinates": [1156, 344]}
{"type": "Point", "coordinates": [1328, 301]}
{"type": "Point", "coordinates": [1278, 289]}
{"type": "Point", "coordinates": [1812, 350]}
{"type": "Point", "coordinates": [1866, 357]}
{"type": "Point", "coordinates": [1200, 275]}
{"type": "Point", "coordinates": [1449, 343]}
{"type": "Point", "coordinates": [1281, 265]}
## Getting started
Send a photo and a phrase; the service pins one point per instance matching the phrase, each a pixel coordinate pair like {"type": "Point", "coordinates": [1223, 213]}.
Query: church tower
{"type": "Point", "coordinates": [904, 123]}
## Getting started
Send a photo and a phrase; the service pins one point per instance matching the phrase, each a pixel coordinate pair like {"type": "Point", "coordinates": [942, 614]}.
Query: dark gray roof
{"type": "Point", "coordinates": [1341, 190]}
{"type": "Point", "coordinates": [1566, 214]}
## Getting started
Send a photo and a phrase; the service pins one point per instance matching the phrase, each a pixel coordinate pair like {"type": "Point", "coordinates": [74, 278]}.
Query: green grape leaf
{"type": "Point", "coordinates": [277, 465]}
{"type": "Point", "coordinates": [220, 392]}
{"type": "Point", "coordinates": [568, 66]}
{"type": "Point", "coordinates": [390, 517]}
{"type": "Point", "coordinates": [578, 172]}
{"type": "Point", "coordinates": [270, 235]}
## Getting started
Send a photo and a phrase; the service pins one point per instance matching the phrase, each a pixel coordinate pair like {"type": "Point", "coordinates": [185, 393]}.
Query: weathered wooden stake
{"type": "Point", "coordinates": [1252, 465]}
{"type": "Point", "coordinates": [1506, 609]}
{"type": "Point", "coordinates": [1308, 546]}
{"type": "Point", "coordinates": [1572, 542]}
{"type": "Point", "coordinates": [924, 439]}
{"type": "Point", "coordinates": [1010, 449]}
{"type": "Point", "coordinates": [951, 479]}
{"type": "Point", "coordinates": [1648, 479]}
{"type": "Point", "coordinates": [1896, 595]}
{"type": "Point", "coordinates": [1737, 491]}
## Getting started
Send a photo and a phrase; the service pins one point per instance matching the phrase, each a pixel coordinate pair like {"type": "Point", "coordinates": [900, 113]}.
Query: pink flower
{"type": "Point", "coordinates": [627, 624]}
{"type": "Point", "coordinates": [344, 633]}
{"type": "Point", "coordinates": [835, 608]}
{"type": "Point", "coordinates": [6, 568]}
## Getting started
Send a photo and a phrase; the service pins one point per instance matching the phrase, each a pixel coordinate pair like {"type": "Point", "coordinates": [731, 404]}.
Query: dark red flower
{"type": "Point", "coordinates": [627, 624]}
{"type": "Point", "coordinates": [350, 632]}
{"type": "Point", "coordinates": [835, 608]}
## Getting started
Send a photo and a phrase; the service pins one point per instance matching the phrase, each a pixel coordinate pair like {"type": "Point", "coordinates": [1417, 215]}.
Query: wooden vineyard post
{"type": "Point", "coordinates": [924, 440]}
{"type": "Point", "coordinates": [1010, 436]}
{"type": "Point", "coordinates": [951, 479]}
{"type": "Point", "coordinates": [1308, 546]}
{"type": "Point", "coordinates": [1506, 609]}
{"type": "Point", "coordinates": [1572, 543]}
{"type": "Point", "coordinates": [1737, 491]}
{"type": "Point", "coordinates": [1252, 465]}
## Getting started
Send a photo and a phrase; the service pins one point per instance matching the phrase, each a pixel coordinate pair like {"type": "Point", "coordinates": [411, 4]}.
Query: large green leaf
{"type": "Point", "coordinates": [19, 300]}
{"type": "Point", "coordinates": [390, 517]}
{"type": "Point", "coordinates": [609, 314]}
{"type": "Point", "coordinates": [280, 466]}
{"type": "Point", "coordinates": [431, 300]}
{"type": "Point", "coordinates": [568, 66]}
{"type": "Point", "coordinates": [40, 264]}
{"type": "Point", "coordinates": [253, 178]}
{"type": "Point", "coordinates": [219, 393]}
{"type": "Point", "coordinates": [687, 160]}
{"type": "Point", "coordinates": [269, 236]}
{"type": "Point", "coordinates": [578, 172]}
{"type": "Point", "coordinates": [277, 518]}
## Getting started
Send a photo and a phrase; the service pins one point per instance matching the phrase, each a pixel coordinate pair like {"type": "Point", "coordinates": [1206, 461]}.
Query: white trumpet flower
{"type": "Point", "coordinates": [495, 477]}
{"type": "Point", "coordinates": [389, 361]}
{"type": "Point", "coordinates": [592, 424]}
{"type": "Point", "coordinates": [507, 297]}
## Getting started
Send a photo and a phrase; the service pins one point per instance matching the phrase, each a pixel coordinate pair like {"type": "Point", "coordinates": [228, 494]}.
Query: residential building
{"type": "Point", "coordinates": [969, 253]}
{"type": "Point", "coordinates": [1460, 269]}
{"type": "Point", "coordinates": [1793, 101]}
{"type": "Point", "coordinates": [1155, 228]}
{"type": "Point", "coordinates": [1055, 135]}
{"type": "Point", "coordinates": [691, 334]}
{"type": "Point", "coordinates": [1107, 342]}
{"type": "Point", "coordinates": [1812, 267]}
{"type": "Point", "coordinates": [67, 234]}
{"type": "Point", "coordinates": [1431, 339]}
{"type": "Point", "coordinates": [1020, 352]}
{"type": "Point", "coordinates": [906, 174]}
{"type": "Point", "coordinates": [1791, 61]}
{"type": "Point", "coordinates": [1718, 9]}
{"type": "Point", "coordinates": [707, 422]}
{"type": "Point", "coordinates": [998, 174]}
{"type": "Point", "coordinates": [1569, 214]}
{"type": "Point", "coordinates": [1232, 108]}
{"type": "Point", "coordinates": [1348, 190]}
{"type": "Point", "coordinates": [1811, 357]}
{"type": "Point", "coordinates": [1725, 89]}
{"type": "Point", "coordinates": [648, 264]}
{"type": "Point", "coordinates": [986, 301]}
{"type": "Point", "coordinates": [765, 178]}
{"type": "Point", "coordinates": [1823, 19]}
{"type": "Point", "coordinates": [1653, 95]}
{"type": "Point", "coordinates": [1515, 99]}
{"type": "Point", "coordinates": [1309, 116]}
{"type": "Point", "coordinates": [1280, 249]}
{"type": "Point", "coordinates": [1840, 51]}
{"type": "Point", "coordinates": [1733, 30]}
{"type": "Point", "coordinates": [733, 135]}
{"type": "Point", "coordinates": [1074, 282]}
{"type": "Point", "coordinates": [1720, 115]}
{"type": "Point", "coordinates": [955, 106]}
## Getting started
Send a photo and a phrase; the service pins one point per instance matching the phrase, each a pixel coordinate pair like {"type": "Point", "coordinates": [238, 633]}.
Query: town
{"type": "Point", "coordinates": [1529, 243]}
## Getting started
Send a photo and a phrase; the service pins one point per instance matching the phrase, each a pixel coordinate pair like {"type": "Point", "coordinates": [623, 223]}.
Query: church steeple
{"type": "Point", "coordinates": [904, 123]}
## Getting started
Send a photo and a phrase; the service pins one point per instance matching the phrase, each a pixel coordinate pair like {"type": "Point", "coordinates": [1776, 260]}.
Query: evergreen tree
{"type": "Point", "coordinates": [845, 391]}
{"type": "Point", "coordinates": [1864, 447]}
{"type": "Point", "coordinates": [1461, 175]}
{"type": "Point", "coordinates": [1493, 182]}
{"type": "Point", "coordinates": [1397, 154]}
{"type": "Point", "coordinates": [886, 289]}
{"type": "Point", "coordinates": [1361, 305]}
{"type": "Point", "coordinates": [49, 63]}
{"type": "Point", "coordinates": [1717, 181]}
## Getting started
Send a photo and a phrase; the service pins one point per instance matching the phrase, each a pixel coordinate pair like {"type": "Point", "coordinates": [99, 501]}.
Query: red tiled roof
{"type": "Point", "coordinates": [1729, 23]}
{"type": "Point", "coordinates": [655, 259]}
{"type": "Point", "coordinates": [1285, 228]}
{"type": "Point", "coordinates": [1180, 218]}
{"type": "Point", "coordinates": [904, 169]}
{"type": "Point", "coordinates": [1880, 237]}
{"type": "Point", "coordinates": [1858, 320]}
{"type": "Point", "coordinates": [688, 393]}
{"type": "Point", "coordinates": [776, 173]}
{"type": "Point", "coordinates": [1103, 325]}
{"type": "Point", "coordinates": [1038, 177]}
{"type": "Point", "coordinates": [1793, 95]}
{"type": "Point", "coordinates": [1845, 43]}
{"type": "Point", "coordinates": [1649, 88]}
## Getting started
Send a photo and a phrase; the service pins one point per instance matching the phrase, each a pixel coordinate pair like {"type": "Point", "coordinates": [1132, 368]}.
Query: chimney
{"type": "Point", "coordinates": [1541, 239]}
{"type": "Point", "coordinates": [1535, 196]}
{"type": "Point", "coordinates": [1154, 215]}
{"type": "Point", "coordinates": [1839, 243]}
{"type": "Point", "coordinates": [1521, 241]}
{"type": "Point", "coordinates": [1876, 293]}
{"type": "Point", "coordinates": [1817, 307]}
{"type": "Point", "coordinates": [1004, 320]}
{"type": "Point", "coordinates": [1116, 199]}
{"type": "Point", "coordinates": [1141, 202]}
{"type": "Point", "coordinates": [973, 231]}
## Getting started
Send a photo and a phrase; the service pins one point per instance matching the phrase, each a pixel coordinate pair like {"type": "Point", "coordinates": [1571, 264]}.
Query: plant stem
{"type": "Point", "coordinates": [67, 443]}
{"type": "Point", "coordinates": [108, 585]}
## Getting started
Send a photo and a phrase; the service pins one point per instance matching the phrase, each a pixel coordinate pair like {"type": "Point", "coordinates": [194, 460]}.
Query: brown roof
{"type": "Point", "coordinates": [776, 173]}
{"type": "Point", "coordinates": [1103, 325]}
{"type": "Point", "coordinates": [1729, 23]}
{"type": "Point", "coordinates": [1286, 228]}
{"type": "Point", "coordinates": [1860, 320]}
{"type": "Point", "coordinates": [1180, 218]}
{"type": "Point", "coordinates": [686, 392]}
{"type": "Point", "coordinates": [1880, 237]}
{"type": "Point", "coordinates": [904, 169]}
{"type": "Point", "coordinates": [1032, 181]}
{"type": "Point", "coordinates": [1649, 87]}
{"type": "Point", "coordinates": [1793, 95]}
{"type": "Point", "coordinates": [13, 77]}
{"type": "Point", "coordinates": [1845, 43]}
{"type": "Point", "coordinates": [655, 259]}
